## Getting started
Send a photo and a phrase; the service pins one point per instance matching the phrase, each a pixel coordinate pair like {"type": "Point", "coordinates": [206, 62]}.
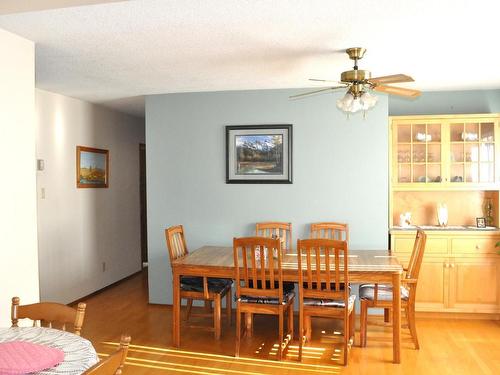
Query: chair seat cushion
{"type": "Point", "coordinates": [195, 284]}
{"type": "Point", "coordinates": [323, 286]}
{"type": "Point", "coordinates": [287, 285]}
{"type": "Point", "coordinates": [329, 302]}
{"type": "Point", "coordinates": [287, 297]}
{"type": "Point", "coordinates": [366, 291]}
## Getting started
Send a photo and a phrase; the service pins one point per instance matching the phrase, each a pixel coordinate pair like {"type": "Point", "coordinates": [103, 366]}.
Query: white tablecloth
{"type": "Point", "coordinates": [79, 354]}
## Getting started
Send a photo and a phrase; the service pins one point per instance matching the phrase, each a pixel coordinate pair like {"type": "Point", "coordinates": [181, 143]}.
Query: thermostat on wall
{"type": "Point", "coordinates": [40, 164]}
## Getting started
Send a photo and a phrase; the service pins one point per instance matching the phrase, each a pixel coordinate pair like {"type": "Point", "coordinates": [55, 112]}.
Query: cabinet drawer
{"type": "Point", "coordinates": [473, 245]}
{"type": "Point", "coordinates": [432, 245]}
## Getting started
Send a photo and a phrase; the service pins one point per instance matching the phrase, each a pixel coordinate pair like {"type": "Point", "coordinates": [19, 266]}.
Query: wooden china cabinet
{"type": "Point", "coordinates": [451, 160]}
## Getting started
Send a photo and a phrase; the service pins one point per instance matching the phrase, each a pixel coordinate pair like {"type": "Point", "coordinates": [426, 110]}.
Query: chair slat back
{"type": "Point", "coordinates": [49, 313]}
{"type": "Point", "coordinates": [332, 231]}
{"type": "Point", "coordinates": [274, 229]}
{"type": "Point", "coordinates": [112, 365]}
{"type": "Point", "coordinates": [259, 275]}
{"type": "Point", "coordinates": [176, 242]}
{"type": "Point", "coordinates": [323, 269]}
{"type": "Point", "coordinates": [417, 256]}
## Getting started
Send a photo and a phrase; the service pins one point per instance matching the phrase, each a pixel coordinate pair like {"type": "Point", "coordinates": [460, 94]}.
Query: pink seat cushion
{"type": "Point", "coordinates": [19, 357]}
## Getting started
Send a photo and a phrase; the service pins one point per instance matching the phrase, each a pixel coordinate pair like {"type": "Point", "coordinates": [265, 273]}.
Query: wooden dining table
{"type": "Point", "coordinates": [365, 266]}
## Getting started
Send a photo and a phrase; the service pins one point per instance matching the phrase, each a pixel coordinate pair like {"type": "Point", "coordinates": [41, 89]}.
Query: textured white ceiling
{"type": "Point", "coordinates": [108, 52]}
{"type": "Point", "coordinates": [16, 6]}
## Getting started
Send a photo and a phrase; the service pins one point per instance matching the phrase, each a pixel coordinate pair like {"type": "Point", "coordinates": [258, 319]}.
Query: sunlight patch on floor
{"type": "Point", "coordinates": [213, 359]}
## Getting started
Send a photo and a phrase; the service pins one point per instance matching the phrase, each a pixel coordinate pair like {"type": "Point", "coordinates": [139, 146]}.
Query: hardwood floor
{"type": "Point", "coordinates": [447, 346]}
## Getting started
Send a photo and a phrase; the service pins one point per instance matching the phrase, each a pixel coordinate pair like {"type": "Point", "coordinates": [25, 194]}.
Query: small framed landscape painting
{"type": "Point", "coordinates": [92, 167]}
{"type": "Point", "coordinates": [259, 154]}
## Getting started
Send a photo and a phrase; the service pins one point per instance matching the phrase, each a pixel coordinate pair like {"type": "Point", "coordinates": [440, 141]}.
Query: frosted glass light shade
{"type": "Point", "coordinates": [350, 104]}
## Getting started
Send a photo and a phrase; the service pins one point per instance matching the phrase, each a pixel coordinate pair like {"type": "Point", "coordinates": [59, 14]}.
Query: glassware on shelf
{"type": "Point", "coordinates": [407, 156]}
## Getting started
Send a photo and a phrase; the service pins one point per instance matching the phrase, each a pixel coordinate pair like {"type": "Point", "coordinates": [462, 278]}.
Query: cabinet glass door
{"type": "Point", "coordinates": [418, 148]}
{"type": "Point", "coordinates": [472, 152]}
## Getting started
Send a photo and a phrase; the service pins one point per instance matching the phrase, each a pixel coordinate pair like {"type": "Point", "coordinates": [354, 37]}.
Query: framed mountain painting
{"type": "Point", "coordinates": [257, 154]}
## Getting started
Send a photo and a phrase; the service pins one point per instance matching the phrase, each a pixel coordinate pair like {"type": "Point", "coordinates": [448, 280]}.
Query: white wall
{"type": "Point", "coordinates": [79, 229]}
{"type": "Point", "coordinates": [340, 171]}
{"type": "Point", "coordinates": [18, 249]}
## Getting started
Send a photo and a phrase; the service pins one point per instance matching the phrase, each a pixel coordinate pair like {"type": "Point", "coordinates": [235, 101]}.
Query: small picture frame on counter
{"type": "Point", "coordinates": [480, 222]}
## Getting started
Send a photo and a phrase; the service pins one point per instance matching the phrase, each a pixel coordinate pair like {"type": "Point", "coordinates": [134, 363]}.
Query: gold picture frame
{"type": "Point", "coordinates": [92, 167]}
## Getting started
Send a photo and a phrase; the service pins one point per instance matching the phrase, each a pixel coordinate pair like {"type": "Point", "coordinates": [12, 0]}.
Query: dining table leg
{"type": "Point", "coordinates": [176, 310]}
{"type": "Point", "coordinates": [396, 317]}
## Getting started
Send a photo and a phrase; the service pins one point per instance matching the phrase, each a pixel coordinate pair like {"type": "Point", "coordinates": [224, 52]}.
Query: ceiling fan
{"type": "Point", "coordinates": [359, 83]}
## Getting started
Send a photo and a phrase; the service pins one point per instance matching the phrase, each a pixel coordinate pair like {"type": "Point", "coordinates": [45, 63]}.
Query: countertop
{"type": "Point", "coordinates": [447, 228]}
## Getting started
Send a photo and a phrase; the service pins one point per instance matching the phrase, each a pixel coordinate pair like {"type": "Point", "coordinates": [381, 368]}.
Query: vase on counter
{"type": "Point", "coordinates": [442, 214]}
{"type": "Point", "coordinates": [405, 219]}
{"type": "Point", "coordinates": [488, 212]}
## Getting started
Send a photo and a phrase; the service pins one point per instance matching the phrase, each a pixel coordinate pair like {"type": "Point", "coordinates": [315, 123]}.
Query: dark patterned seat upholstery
{"type": "Point", "coordinates": [329, 302]}
{"type": "Point", "coordinates": [195, 284]}
{"type": "Point", "coordinates": [288, 294]}
{"type": "Point", "coordinates": [367, 291]}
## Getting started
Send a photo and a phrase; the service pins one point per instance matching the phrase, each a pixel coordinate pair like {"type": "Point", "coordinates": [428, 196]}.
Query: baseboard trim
{"type": "Point", "coordinates": [82, 299]}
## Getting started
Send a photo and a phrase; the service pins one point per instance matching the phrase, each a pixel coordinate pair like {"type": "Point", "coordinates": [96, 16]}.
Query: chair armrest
{"type": "Point", "coordinates": [409, 281]}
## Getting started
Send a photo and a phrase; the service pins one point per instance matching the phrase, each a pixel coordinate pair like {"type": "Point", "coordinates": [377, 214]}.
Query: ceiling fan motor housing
{"type": "Point", "coordinates": [355, 76]}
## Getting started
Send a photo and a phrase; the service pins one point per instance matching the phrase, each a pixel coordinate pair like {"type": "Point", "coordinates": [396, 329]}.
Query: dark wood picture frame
{"type": "Point", "coordinates": [481, 222]}
{"type": "Point", "coordinates": [104, 174]}
{"type": "Point", "coordinates": [284, 176]}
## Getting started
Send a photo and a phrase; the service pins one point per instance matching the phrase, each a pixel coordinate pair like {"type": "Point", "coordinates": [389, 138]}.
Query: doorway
{"type": "Point", "coordinates": [143, 198]}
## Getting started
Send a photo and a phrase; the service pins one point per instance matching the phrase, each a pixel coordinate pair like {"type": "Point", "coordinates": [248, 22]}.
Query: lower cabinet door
{"type": "Point", "coordinates": [474, 286]}
{"type": "Point", "coordinates": [432, 288]}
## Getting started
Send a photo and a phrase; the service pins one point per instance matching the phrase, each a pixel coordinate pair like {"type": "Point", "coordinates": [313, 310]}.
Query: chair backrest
{"type": "Point", "coordinates": [256, 274]}
{"type": "Point", "coordinates": [176, 242]}
{"type": "Point", "coordinates": [276, 229]}
{"type": "Point", "coordinates": [112, 365]}
{"type": "Point", "coordinates": [49, 313]}
{"type": "Point", "coordinates": [416, 258]}
{"type": "Point", "coordinates": [332, 231]}
{"type": "Point", "coordinates": [323, 269]}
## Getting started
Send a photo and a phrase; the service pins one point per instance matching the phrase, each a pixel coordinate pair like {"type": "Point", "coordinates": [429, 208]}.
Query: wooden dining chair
{"type": "Point", "coordinates": [330, 230]}
{"type": "Point", "coordinates": [323, 274]}
{"type": "Point", "coordinates": [113, 364]}
{"type": "Point", "coordinates": [199, 288]}
{"type": "Point", "coordinates": [259, 286]}
{"type": "Point", "coordinates": [374, 295]}
{"type": "Point", "coordinates": [51, 314]}
{"type": "Point", "coordinates": [274, 229]}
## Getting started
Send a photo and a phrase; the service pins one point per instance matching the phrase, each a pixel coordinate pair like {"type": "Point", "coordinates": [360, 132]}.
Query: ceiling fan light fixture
{"type": "Point", "coordinates": [355, 106]}
{"type": "Point", "coordinates": [352, 104]}
{"type": "Point", "coordinates": [345, 103]}
{"type": "Point", "coordinates": [368, 100]}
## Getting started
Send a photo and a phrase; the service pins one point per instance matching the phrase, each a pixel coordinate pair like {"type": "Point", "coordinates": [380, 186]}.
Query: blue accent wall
{"type": "Point", "coordinates": [340, 171]}
{"type": "Point", "coordinates": [446, 102]}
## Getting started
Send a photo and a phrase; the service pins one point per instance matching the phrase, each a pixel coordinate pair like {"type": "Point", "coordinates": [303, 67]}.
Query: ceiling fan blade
{"type": "Point", "coordinates": [316, 92]}
{"type": "Point", "coordinates": [322, 80]}
{"type": "Point", "coordinates": [393, 90]}
{"type": "Point", "coordinates": [395, 78]}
